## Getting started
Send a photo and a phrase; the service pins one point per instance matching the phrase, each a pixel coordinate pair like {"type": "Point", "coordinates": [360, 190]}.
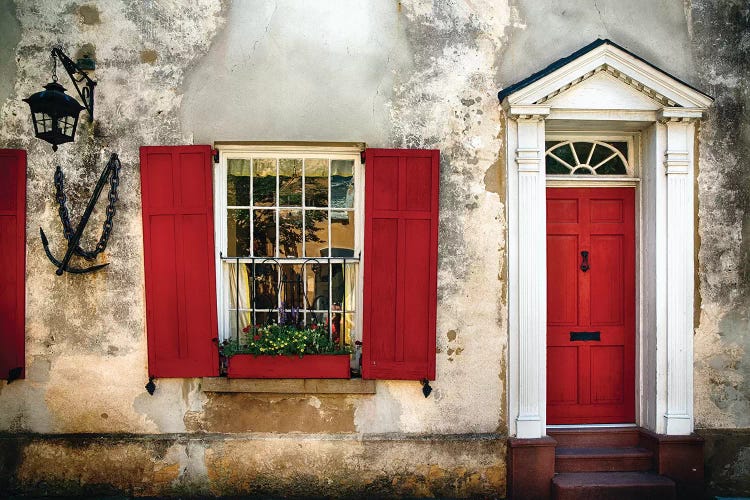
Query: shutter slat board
{"type": "Point", "coordinates": [12, 262]}
{"type": "Point", "coordinates": [178, 237]}
{"type": "Point", "coordinates": [400, 276]}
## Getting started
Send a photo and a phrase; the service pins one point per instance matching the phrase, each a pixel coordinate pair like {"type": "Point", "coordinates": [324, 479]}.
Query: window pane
{"type": "Point", "coordinates": [264, 233]}
{"type": "Point", "coordinates": [349, 328]}
{"type": "Point", "coordinates": [290, 233]}
{"type": "Point", "coordinates": [583, 171]}
{"type": "Point", "coordinates": [264, 182]}
{"type": "Point", "coordinates": [337, 285]}
{"type": "Point", "coordinates": [622, 147]}
{"type": "Point", "coordinates": [342, 183]}
{"type": "Point", "coordinates": [238, 232]}
{"type": "Point", "coordinates": [239, 286]}
{"type": "Point", "coordinates": [583, 149]}
{"type": "Point", "coordinates": [290, 182]}
{"type": "Point", "coordinates": [342, 233]}
{"type": "Point", "coordinates": [350, 286]}
{"type": "Point", "coordinates": [336, 323]}
{"type": "Point", "coordinates": [615, 166]}
{"type": "Point", "coordinates": [316, 183]}
{"type": "Point", "coordinates": [317, 286]}
{"type": "Point", "coordinates": [316, 233]}
{"type": "Point", "coordinates": [238, 182]}
{"type": "Point", "coordinates": [265, 298]}
{"type": "Point", "coordinates": [601, 153]}
{"type": "Point", "coordinates": [238, 321]}
{"type": "Point", "coordinates": [291, 291]}
{"type": "Point", "coordinates": [554, 167]}
{"type": "Point", "coordinates": [564, 153]}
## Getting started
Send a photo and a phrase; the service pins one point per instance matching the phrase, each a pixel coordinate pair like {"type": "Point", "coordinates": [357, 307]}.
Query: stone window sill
{"type": "Point", "coordinates": [289, 386]}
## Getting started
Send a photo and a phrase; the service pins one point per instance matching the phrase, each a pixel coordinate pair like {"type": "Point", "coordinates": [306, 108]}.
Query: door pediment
{"type": "Point", "coordinates": [611, 77]}
{"type": "Point", "coordinates": [603, 90]}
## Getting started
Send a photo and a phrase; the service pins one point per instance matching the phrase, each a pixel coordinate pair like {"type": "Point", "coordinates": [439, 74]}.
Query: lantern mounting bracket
{"type": "Point", "coordinates": [78, 77]}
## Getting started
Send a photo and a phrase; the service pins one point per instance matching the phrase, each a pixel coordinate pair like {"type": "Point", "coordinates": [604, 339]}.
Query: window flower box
{"type": "Point", "coordinates": [286, 351]}
{"type": "Point", "coordinates": [288, 366]}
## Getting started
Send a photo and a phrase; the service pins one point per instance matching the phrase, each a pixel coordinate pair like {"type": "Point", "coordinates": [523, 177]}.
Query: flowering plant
{"type": "Point", "coordinates": [275, 339]}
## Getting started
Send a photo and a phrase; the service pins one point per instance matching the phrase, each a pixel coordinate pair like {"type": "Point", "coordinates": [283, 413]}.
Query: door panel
{"type": "Point", "coordinates": [591, 312]}
{"type": "Point", "coordinates": [561, 260]}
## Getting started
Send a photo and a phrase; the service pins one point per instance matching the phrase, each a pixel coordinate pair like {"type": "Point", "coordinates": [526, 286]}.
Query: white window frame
{"type": "Point", "coordinates": [248, 151]}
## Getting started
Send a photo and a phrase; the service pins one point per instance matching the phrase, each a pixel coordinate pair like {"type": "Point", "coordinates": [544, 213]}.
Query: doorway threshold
{"type": "Point", "coordinates": [591, 426]}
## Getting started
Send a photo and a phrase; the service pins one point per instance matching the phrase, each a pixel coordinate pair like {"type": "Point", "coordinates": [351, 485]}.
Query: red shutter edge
{"type": "Point", "coordinates": [16, 341]}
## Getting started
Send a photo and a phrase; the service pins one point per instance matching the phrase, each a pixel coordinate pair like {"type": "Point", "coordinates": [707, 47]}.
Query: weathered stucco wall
{"type": "Point", "coordinates": [428, 76]}
{"type": "Point", "coordinates": [415, 73]}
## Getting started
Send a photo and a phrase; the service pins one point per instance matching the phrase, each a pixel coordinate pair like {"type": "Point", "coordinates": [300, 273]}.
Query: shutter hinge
{"type": "Point", "coordinates": [14, 374]}
{"type": "Point", "coordinates": [215, 155]}
{"type": "Point", "coordinates": [426, 389]}
{"type": "Point", "coordinates": [362, 156]}
{"type": "Point", "coordinates": [151, 387]}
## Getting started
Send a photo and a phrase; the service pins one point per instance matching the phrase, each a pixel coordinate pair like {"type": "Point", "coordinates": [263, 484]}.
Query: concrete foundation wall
{"type": "Point", "coordinates": [297, 465]}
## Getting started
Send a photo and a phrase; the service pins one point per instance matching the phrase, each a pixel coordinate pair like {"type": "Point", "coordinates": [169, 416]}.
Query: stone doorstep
{"type": "Point", "coordinates": [612, 486]}
{"type": "Point", "coordinates": [602, 459]}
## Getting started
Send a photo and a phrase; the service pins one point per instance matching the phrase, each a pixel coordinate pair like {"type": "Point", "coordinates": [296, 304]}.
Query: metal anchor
{"type": "Point", "coordinates": [74, 237]}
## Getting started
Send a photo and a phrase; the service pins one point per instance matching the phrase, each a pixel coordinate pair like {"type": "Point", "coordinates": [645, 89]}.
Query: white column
{"type": "Point", "coordinates": [678, 163]}
{"type": "Point", "coordinates": [528, 297]}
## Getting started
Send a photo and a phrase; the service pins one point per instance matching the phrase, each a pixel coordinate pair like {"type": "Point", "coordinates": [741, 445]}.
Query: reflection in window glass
{"type": "Point", "coordinates": [264, 182]}
{"type": "Point", "coordinates": [264, 233]}
{"type": "Point", "coordinates": [316, 182]}
{"type": "Point", "coordinates": [290, 233]}
{"type": "Point", "coordinates": [238, 183]}
{"type": "Point", "coordinates": [290, 182]}
{"type": "Point", "coordinates": [291, 219]}
{"type": "Point", "coordinates": [316, 233]}
{"type": "Point", "coordinates": [238, 232]}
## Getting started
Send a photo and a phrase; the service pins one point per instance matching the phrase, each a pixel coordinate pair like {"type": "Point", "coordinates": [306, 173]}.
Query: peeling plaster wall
{"type": "Point", "coordinates": [85, 335]}
{"type": "Point", "coordinates": [722, 343]}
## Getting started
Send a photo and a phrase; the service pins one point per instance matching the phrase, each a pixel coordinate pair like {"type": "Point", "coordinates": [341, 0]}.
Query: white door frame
{"type": "Point", "coordinates": [632, 95]}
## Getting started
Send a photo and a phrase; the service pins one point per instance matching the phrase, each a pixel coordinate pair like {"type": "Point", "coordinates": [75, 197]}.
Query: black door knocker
{"type": "Point", "coordinates": [585, 261]}
{"type": "Point", "coordinates": [111, 171]}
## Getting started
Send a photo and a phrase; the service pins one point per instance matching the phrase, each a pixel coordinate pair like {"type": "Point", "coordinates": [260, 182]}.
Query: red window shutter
{"type": "Point", "coordinates": [400, 276]}
{"type": "Point", "coordinates": [12, 262]}
{"type": "Point", "coordinates": [178, 240]}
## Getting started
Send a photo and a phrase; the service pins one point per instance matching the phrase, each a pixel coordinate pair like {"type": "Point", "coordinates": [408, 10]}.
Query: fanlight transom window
{"type": "Point", "coordinates": [587, 158]}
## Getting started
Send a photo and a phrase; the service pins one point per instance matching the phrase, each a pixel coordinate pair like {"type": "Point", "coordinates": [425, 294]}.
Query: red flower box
{"type": "Point", "coordinates": [280, 366]}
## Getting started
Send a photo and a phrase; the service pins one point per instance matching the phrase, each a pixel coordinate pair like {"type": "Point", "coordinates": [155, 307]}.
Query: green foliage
{"type": "Point", "coordinates": [276, 339]}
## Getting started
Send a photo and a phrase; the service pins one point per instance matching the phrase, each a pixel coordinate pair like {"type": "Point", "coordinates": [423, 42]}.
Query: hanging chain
{"type": "Point", "coordinates": [114, 182]}
{"type": "Point", "coordinates": [54, 66]}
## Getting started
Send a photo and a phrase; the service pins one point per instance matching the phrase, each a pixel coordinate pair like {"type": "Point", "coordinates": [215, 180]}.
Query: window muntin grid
{"type": "Point", "coordinates": [296, 214]}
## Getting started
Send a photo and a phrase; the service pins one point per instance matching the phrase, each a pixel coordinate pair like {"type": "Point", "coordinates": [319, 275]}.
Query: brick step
{"type": "Point", "coordinates": [612, 486]}
{"type": "Point", "coordinates": [602, 459]}
{"type": "Point", "coordinates": [609, 436]}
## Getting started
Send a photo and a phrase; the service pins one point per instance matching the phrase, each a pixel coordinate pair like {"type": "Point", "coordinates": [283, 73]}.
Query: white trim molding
{"type": "Point", "coordinates": [666, 225]}
{"type": "Point", "coordinates": [530, 291]}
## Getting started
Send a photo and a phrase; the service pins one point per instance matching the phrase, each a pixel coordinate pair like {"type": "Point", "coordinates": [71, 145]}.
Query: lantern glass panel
{"type": "Point", "coordinates": [43, 122]}
{"type": "Point", "coordinates": [67, 125]}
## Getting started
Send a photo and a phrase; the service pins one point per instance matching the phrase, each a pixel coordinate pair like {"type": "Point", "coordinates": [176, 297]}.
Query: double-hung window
{"type": "Point", "coordinates": [289, 224]}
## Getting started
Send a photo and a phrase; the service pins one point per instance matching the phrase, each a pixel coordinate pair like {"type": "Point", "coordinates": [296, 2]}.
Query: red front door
{"type": "Point", "coordinates": [590, 305]}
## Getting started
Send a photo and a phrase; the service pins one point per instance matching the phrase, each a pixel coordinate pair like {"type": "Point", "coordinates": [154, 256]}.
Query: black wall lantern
{"type": "Point", "coordinates": [55, 113]}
